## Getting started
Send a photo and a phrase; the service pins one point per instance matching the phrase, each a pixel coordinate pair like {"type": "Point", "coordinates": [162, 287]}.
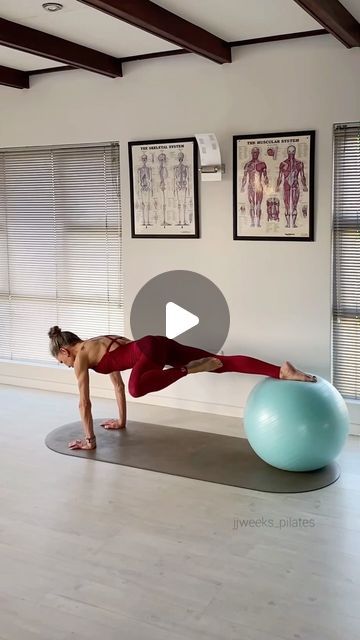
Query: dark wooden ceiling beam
{"type": "Point", "coordinates": [281, 36]}
{"type": "Point", "coordinates": [157, 54]}
{"type": "Point", "coordinates": [14, 78]}
{"type": "Point", "coordinates": [45, 45]}
{"type": "Point", "coordinates": [177, 52]}
{"type": "Point", "coordinates": [160, 22]}
{"type": "Point", "coordinates": [335, 18]}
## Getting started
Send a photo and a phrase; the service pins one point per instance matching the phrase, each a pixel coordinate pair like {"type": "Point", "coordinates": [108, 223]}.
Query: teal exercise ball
{"type": "Point", "coordinates": [296, 426]}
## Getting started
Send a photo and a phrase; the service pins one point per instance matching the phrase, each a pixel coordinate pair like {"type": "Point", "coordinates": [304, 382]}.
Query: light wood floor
{"type": "Point", "coordinates": [97, 551]}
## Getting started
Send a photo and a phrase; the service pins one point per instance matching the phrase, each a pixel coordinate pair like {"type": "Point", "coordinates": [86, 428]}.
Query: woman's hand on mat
{"type": "Point", "coordinates": [87, 443]}
{"type": "Point", "coordinates": [113, 424]}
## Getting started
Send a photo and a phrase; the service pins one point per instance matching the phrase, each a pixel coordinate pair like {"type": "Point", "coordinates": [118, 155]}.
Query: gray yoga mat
{"type": "Point", "coordinates": [191, 454]}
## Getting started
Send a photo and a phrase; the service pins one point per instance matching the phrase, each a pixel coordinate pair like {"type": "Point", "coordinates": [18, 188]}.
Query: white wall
{"type": "Point", "coordinates": [279, 293]}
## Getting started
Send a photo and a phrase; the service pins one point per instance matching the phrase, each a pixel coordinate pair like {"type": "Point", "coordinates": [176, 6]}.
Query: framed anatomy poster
{"type": "Point", "coordinates": [164, 188]}
{"type": "Point", "coordinates": [274, 186]}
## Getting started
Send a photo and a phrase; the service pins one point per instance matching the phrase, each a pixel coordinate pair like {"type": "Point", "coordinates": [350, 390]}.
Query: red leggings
{"type": "Point", "coordinates": [148, 373]}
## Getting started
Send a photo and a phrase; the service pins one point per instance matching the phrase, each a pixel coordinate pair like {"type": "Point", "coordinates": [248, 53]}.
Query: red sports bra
{"type": "Point", "coordinates": [123, 357]}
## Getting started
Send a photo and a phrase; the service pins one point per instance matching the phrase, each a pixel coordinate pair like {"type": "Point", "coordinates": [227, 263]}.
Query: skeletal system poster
{"type": "Point", "coordinates": [163, 177]}
{"type": "Point", "coordinates": [273, 186]}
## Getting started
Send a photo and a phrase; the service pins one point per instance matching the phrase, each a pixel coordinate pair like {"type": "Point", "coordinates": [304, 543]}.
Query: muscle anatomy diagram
{"type": "Point", "coordinates": [255, 174]}
{"type": "Point", "coordinates": [272, 186]}
{"type": "Point", "coordinates": [290, 171]}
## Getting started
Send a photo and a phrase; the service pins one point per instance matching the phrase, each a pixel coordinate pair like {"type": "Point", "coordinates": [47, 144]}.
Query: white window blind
{"type": "Point", "coordinates": [60, 246]}
{"type": "Point", "coordinates": [346, 260]}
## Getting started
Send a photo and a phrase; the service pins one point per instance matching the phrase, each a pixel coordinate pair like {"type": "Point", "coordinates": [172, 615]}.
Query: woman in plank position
{"type": "Point", "coordinates": [147, 358]}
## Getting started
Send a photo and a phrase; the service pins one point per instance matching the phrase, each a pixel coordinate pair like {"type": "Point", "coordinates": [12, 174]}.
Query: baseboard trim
{"type": "Point", "coordinates": [100, 392]}
{"type": "Point", "coordinates": [156, 400]}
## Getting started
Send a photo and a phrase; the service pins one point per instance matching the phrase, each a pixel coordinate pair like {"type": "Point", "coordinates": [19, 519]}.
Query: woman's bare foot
{"type": "Point", "coordinates": [113, 425]}
{"type": "Point", "coordinates": [289, 372]}
{"type": "Point", "coordinates": [204, 364]}
{"type": "Point", "coordinates": [87, 443]}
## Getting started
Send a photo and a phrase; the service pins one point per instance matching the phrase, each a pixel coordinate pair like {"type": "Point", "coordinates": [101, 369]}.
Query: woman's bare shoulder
{"type": "Point", "coordinates": [96, 345]}
{"type": "Point", "coordinates": [106, 339]}
{"type": "Point", "coordinates": [118, 338]}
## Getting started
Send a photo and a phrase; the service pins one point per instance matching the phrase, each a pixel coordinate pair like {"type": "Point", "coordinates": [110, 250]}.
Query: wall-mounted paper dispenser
{"type": "Point", "coordinates": [211, 168]}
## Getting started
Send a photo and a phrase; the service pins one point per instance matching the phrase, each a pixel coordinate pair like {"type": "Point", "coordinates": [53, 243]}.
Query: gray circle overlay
{"type": "Point", "coordinates": [188, 290]}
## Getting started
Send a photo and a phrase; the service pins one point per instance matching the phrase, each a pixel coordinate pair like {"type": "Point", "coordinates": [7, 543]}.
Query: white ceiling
{"type": "Point", "coordinates": [229, 19]}
{"type": "Point", "coordinates": [80, 24]}
{"type": "Point", "coordinates": [24, 61]}
{"type": "Point", "coordinates": [353, 6]}
{"type": "Point", "coordinates": [242, 19]}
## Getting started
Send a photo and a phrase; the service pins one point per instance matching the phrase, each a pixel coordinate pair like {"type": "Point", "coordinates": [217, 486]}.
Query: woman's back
{"type": "Point", "coordinates": [109, 353]}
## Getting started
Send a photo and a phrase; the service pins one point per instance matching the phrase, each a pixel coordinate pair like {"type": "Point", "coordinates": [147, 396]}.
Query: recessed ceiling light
{"type": "Point", "coordinates": [52, 6]}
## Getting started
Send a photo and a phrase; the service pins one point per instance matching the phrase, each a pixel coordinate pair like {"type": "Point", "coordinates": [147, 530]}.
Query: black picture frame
{"type": "Point", "coordinates": [164, 192]}
{"type": "Point", "coordinates": [274, 217]}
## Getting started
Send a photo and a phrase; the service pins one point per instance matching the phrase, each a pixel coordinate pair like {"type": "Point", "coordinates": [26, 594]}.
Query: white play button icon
{"type": "Point", "coordinates": [181, 305]}
{"type": "Point", "coordinates": [178, 320]}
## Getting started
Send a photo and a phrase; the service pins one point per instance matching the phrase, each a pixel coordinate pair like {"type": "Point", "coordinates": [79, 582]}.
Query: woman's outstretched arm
{"type": "Point", "coordinates": [119, 389]}
{"type": "Point", "coordinates": [82, 374]}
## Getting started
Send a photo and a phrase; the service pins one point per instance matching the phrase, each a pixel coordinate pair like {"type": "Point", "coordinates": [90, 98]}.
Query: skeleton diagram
{"type": "Point", "coordinates": [255, 172]}
{"type": "Point", "coordinates": [181, 189]}
{"type": "Point", "coordinates": [145, 190]}
{"type": "Point", "coordinates": [289, 171]}
{"type": "Point", "coordinates": [163, 175]}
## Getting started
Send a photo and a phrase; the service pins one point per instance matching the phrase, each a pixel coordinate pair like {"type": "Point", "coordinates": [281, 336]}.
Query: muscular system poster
{"type": "Point", "coordinates": [273, 186]}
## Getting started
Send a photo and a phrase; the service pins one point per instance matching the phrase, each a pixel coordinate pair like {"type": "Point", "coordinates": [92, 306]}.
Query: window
{"type": "Point", "coordinates": [60, 246]}
{"type": "Point", "coordinates": [346, 260]}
